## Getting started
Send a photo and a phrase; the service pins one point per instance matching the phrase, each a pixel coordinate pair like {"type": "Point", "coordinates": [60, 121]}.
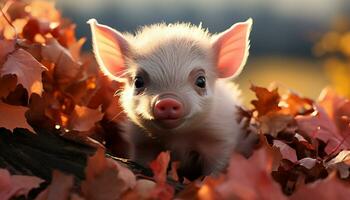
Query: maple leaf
{"type": "Point", "coordinates": [293, 104]}
{"type": "Point", "coordinates": [330, 188]}
{"type": "Point", "coordinates": [84, 118]}
{"type": "Point", "coordinates": [16, 185]}
{"type": "Point", "coordinates": [66, 69]}
{"type": "Point", "coordinates": [274, 122]}
{"type": "Point", "coordinates": [267, 100]}
{"type": "Point", "coordinates": [341, 162]}
{"type": "Point", "coordinates": [105, 178]}
{"type": "Point", "coordinates": [286, 151]}
{"type": "Point", "coordinates": [319, 125]}
{"type": "Point", "coordinates": [308, 163]}
{"type": "Point", "coordinates": [12, 117]}
{"type": "Point", "coordinates": [6, 47]}
{"type": "Point", "coordinates": [7, 84]}
{"type": "Point", "coordinates": [249, 178]}
{"type": "Point", "coordinates": [159, 166]}
{"type": "Point", "coordinates": [27, 69]}
{"type": "Point", "coordinates": [59, 189]}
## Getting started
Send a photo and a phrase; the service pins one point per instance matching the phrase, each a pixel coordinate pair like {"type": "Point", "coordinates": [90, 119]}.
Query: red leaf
{"type": "Point", "coordinates": [267, 100]}
{"type": "Point", "coordinates": [286, 151]}
{"type": "Point", "coordinates": [274, 122]}
{"type": "Point", "coordinates": [84, 118]}
{"type": "Point", "coordinates": [16, 185]}
{"type": "Point", "coordinates": [26, 68]}
{"type": "Point", "coordinates": [6, 47]}
{"type": "Point", "coordinates": [105, 178]}
{"type": "Point", "coordinates": [13, 117]}
{"type": "Point", "coordinates": [159, 168]}
{"type": "Point", "coordinates": [249, 179]}
{"type": "Point", "coordinates": [319, 125]}
{"type": "Point", "coordinates": [330, 188]}
{"type": "Point", "coordinates": [7, 84]}
{"type": "Point", "coordinates": [341, 162]}
{"type": "Point", "coordinates": [59, 189]}
{"type": "Point", "coordinates": [66, 69]}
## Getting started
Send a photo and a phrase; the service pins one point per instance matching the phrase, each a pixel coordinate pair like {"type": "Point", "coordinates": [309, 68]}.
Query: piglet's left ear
{"type": "Point", "coordinates": [232, 48]}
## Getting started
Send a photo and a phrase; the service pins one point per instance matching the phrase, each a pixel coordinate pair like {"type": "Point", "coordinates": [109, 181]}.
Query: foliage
{"type": "Point", "coordinates": [47, 83]}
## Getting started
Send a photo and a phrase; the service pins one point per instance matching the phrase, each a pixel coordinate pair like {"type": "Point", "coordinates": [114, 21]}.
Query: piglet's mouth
{"type": "Point", "coordinates": [169, 123]}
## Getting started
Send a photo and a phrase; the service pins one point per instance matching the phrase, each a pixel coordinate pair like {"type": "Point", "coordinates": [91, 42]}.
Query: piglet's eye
{"type": "Point", "coordinates": [139, 82]}
{"type": "Point", "coordinates": [201, 82]}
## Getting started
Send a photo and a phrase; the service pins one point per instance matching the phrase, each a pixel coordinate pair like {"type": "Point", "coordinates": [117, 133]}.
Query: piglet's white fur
{"type": "Point", "coordinates": [169, 58]}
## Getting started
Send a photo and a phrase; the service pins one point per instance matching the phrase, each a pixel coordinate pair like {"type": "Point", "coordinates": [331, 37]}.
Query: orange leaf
{"type": "Point", "coordinates": [105, 178]}
{"type": "Point", "coordinates": [13, 116]}
{"type": "Point", "coordinates": [27, 69]}
{"type": "Point", "coordinates": [267, 100]}
{"type": "Point", "coordinates": [16, 185]}
{"type": "Point", "coordinates": [84, 118]}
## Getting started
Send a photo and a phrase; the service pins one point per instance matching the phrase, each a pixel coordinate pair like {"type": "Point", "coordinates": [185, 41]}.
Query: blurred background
{"type": "Point", "coordinates": [297, 44]}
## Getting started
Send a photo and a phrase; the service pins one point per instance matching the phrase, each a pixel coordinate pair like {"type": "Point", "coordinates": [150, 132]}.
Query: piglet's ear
{"type": "Point", "coordinates": [232, 48]}
{"type": "Point", "coordinates": [109, 47]}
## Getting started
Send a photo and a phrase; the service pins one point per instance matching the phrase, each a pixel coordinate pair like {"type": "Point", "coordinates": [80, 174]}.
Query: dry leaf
{"type": "Point", "coordinates": [26, 68]}
{"type": "Point", "coordinates": [12, 117]}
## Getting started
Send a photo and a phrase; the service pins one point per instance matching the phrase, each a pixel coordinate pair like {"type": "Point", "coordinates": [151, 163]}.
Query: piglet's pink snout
{"type": "Point", "coordinates": [168, 108]}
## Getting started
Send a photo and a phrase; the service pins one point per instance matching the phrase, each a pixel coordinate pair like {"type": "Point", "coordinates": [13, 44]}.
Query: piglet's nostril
{"type": "Point", "coordinates": [168, 108]}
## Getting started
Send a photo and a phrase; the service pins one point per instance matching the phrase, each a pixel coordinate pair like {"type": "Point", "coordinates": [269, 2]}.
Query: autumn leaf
{"type": "Point", "coordinates": [286, 151]}
{"type": "Point", "coordinates": [250, 178]}
{"type": "Point", "coordinates": [7, 84]}
{"type": "Point", "coordinates": [341, 162]}
{"type": "Point", "coordinates": [12, 186]}
{"type": "Point", "coordinates": [66, 69]}
{"type": "Point", "coordinates": [274, 122]}
{"type": "Point", "coordinates": [330, 188]}
{"type": "Point", "coordinates": [267, 100]}
{"type": "Point", "coordinates": [159, 167]}
{"type": "Point", "coordinates": [26, 68]}
{"type": "Point", "coordinates": [12, 117]}
{"type": "Point", "coordinates": [84, 118]}
{"type": "Point", "coordinates": [105, 178]}
{"type": "Point", "coordinates": [319, 125]}
{"type": "Point", "coordinates": [293, 104]}
{"type": "Point", "coordinates": [6, 47]}
{"type": "Point", "coordinates": [59, 189]}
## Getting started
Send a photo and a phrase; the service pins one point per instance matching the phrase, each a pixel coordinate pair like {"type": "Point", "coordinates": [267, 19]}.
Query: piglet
{"type": "Point", "coordinates": [177, 96]}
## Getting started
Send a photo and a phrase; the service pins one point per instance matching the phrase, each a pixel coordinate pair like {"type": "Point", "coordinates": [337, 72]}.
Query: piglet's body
{"type": "Point", "coordinates": [176, 93]}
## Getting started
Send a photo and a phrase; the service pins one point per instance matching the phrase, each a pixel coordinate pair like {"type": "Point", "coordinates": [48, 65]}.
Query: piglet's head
{"type": "Point", "coordinates": [170, 71]}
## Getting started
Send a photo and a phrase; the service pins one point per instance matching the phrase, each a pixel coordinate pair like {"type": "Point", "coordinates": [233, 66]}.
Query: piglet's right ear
{"type": "Point", "coordinates": [109, 47]}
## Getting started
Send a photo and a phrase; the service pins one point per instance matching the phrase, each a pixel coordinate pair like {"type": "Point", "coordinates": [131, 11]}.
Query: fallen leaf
{"type": "Point", "coordinates": [267, 100]}
{"type": "Point", "coordinates": [259, 185]}
{"type": "Point", "coordinates": [66, 69]}
{"type": "Point", "coordinates": [274, 122]}
{"type": "Point", "coordinates": [12, 117]}
{"type": "Point", "coordinates": [12, 186]}
{"type": "Point", "coordinates": [319, 125]}
{"type": "Point", "coordinates": [84, 118]}
{"type": "Point", "coordinates": [6, 47]}
{"type": "Point", "coordinates": [330, 188]}
{"type": "Point", "coordinates": [308, 163]}
{"type": "Point", "coordinates": [7, 84]}
{"type": "Point", "coordinates": [341, 162]}
{"type": "Point", "coordinates": [293, 104]}
{"type": "Point", "coordinates": [162, 190]}
{"type": "Point", "coordinates": [26, 68]}
{"type": "Point", "coordinates": [59, 189]}
{"type": "Point", "coordinates": [286, 151]}
{"type": "Point", "coordinates": [105, 178]}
